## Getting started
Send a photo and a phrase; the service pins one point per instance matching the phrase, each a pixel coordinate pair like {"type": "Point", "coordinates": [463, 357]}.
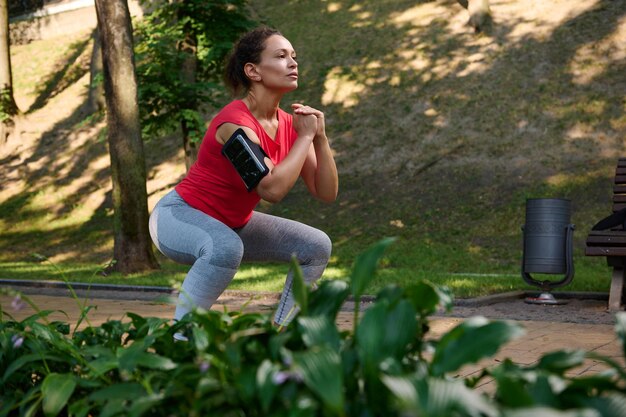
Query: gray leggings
{"type": "Point", "coordinates": [214, 250]}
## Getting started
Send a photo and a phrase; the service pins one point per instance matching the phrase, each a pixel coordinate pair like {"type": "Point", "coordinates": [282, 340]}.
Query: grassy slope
{"type": "Point", "coordinates": [440, 134]}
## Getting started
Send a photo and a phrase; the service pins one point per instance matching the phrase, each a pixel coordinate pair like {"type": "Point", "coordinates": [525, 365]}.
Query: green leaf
{"type": "Point", "coordinates": [386, 331]}
{"type": "Point", "coordinates": [561, 361]}
{"type": "Point", "coordinates": [130, 356]}
{"type": "Point", "coordinates": [23, 360]}
{"type": "Point", "coordinates": [512, 392]}
{"type": "Point", "coordinates": [328, 298]}
{"type": "Point", "coordinates": [56, 390]}
{"type": "Point", "coordinates": [101, 366]}
{"type": "Point", "coordinates": [300, 290]}
{"type": "Point", "coordinates": [611, 405]}
{"type": "Point", "coordinates": [424, 296]}
{"type": "Point", "coordinates": [365, 267]}
{"type": "Point", "coordinates": [470, 341]}
{"type": "Point", "coordinates": [154, 361]}
{"type": "Point", "coordinates": [319, 331]}
{"type": "Point", "coordinates": [404, 391]}
{"type": "Point", "coordinates": [122, 391]}
{"type": "Point", "coordinates": [437, 397]}
{"type": "Point", "coordinates": [265, 384]}
{"type": "Point", "coordinates": [442, 397]}
{"type": "Point", "coordinates": [322, 373]}
{"type": "Point", "coordinates": [200, 338]}
{"type": "Point", "coordinates": [79, 408]}
{"type": "Point", "coordinates": [550, 412]}
{"type": "Point", "coordinates": [113, 407]}
{"type": "Point", "coordinates": [143, 404]}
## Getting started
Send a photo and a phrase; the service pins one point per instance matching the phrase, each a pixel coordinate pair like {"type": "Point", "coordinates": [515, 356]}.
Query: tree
{"type": "Point", "coordinates": [181, 46]}
{"type": "Point", "coordinates": [132, 249]}
{"type": "Point", "coordinates": [479, 13]}
{"type": "Point", "coordinates": [95, 100]}
{"type": "Point", "coordinates": [8, 107]}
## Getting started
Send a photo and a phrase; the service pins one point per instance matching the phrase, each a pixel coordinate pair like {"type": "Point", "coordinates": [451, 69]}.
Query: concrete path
{"type": "Point", "coordinates": [541, 336]}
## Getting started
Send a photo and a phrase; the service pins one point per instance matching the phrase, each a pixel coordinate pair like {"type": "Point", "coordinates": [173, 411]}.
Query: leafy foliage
{"type": "Point", "coordinates": [240, 364]}
{"type": "Point", "coordinates": [173, 35]}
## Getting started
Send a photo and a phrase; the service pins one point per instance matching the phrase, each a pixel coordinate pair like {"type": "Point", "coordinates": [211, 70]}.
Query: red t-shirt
{"type": "Point", "coordinates": [212, 184]}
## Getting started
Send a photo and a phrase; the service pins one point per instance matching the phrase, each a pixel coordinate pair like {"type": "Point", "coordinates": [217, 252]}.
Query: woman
{"type": "Point", "coordinates": [208, 220]}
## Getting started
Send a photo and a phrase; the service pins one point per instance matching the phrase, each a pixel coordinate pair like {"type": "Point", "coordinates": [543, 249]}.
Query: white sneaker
{"type": "Point", "coordinates": [179, 337]}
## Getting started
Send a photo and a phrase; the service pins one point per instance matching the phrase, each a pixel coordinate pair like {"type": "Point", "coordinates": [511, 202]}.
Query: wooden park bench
{"type": "Point", "coordinates": [612, 242]}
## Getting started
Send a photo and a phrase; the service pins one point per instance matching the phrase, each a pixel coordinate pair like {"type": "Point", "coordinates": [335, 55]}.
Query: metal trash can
{"type": "Point", "coordinates": [548, 244]}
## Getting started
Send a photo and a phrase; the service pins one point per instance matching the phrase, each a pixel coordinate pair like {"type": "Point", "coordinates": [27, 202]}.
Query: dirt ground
{"type": "Point", "coordinates": [514, 307]}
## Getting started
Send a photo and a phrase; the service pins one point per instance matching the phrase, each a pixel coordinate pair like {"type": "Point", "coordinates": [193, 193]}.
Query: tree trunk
{"type": "Point", "coordinates": [96, 100]}
{"type": "Point", "coordinates": [479, 13]}
{"type": "Point", "coordinates": [132, 249]}
{"type": "Point", "coordinates": [8, 107]}
{"type": "Point", "coordinates": [190, 148]}
{"type": "Point", "coordinates": [188, 74]}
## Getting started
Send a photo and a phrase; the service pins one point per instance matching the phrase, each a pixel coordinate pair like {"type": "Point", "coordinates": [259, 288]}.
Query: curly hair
{"type": "Point", "coordinates": [247, 49]}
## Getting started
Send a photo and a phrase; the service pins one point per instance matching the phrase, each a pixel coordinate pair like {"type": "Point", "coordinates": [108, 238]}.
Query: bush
{"type": "Point", "coordinates": [239, 364]}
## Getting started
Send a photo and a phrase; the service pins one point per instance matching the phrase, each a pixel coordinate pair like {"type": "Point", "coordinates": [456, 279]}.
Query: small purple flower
{"type": "Point", "coordinates": [280, 378]}
{"type": "Point", "coordinates": [204, 366]}
{"type": "Point", "coordinates": [17, 341]}
{"type": "Point", "coordinates": [17, 304]}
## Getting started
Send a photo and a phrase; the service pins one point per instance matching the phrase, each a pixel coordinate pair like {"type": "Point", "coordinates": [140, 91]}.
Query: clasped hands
{"type": "Point", "coordinates": [308, 121]}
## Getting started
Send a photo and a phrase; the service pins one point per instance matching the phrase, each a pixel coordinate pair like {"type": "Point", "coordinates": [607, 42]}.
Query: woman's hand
{"type": "Point", "coordinates": [304, 121]}
{"type": "Point", "coordinates": [319, 171]}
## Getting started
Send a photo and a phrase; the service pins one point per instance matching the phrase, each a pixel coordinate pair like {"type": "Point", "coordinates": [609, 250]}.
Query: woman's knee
{"type": "Point", "coordinates": [225, 251]}
{"type": "Point", "coordinates": [317, 248]}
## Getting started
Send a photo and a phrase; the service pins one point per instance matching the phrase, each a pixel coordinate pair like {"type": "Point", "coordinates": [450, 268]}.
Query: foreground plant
{"type": "Point", "coordinates": [239, 364]}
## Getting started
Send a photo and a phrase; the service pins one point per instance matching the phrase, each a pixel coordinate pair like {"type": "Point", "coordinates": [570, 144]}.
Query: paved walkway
{"type": "Point", "coordinates": [541, 336]}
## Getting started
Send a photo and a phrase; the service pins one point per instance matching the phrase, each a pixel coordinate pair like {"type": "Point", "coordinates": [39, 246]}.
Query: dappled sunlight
{"type": "Point", "coordinates": [333, 272]}
{"type": "Point", "coordinates": [562, 180]}
{"type": "Point", "coordinates": [477, 285]}
{"type": "Point", "coordinates": [531, 22]}
{"type": "Point", "coordinates": [333, 6]}
{"type": "Point", "coordinates": [540, 18]}
{"type": "Point", "coordinates": [584, 135]}
{"type": "Point", "coordinates": [397, 223]}
{"type": "Point", "coordinates": [362, 18]}
{"type": "Point", "coordinates": [340, 88]}
{"type": "Point", "coordinates": [163, 176]}
{"type": "Point", "coordinates": [258, 278]}
{"type": "Point", "coordinates": [421, 15]}
{"type": "Point", "coordinates": [594, 58]}
{"type": "Point", "coordinates": [420, 19]}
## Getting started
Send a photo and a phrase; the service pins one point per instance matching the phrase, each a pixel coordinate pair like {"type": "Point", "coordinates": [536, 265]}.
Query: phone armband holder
{"type": "Point", "coordinates": [247, 157]}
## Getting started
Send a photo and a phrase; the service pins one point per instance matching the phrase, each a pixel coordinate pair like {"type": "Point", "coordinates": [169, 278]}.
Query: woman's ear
{"type": "Point", "coordinates": [251, 72]}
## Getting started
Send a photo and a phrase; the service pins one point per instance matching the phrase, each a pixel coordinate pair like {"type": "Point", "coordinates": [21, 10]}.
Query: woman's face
{"type": "Point", "coordinates": [278, 68]}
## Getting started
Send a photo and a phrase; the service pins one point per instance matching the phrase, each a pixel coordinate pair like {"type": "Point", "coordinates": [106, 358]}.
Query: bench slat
{"type": "Point", "coordinates": [608, 233]}
{"type": "Point", "coordinates": [605, 251]}
{"type": "Point", "coordinates": [606, 241]}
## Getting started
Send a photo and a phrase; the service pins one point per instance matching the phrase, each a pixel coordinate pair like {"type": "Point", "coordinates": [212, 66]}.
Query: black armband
{"type": "Point", "coordinates": [247, 157]}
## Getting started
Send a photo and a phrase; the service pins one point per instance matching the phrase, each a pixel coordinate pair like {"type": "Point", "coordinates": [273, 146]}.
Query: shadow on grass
{"type": "Point", "coordinates": [440, 135]}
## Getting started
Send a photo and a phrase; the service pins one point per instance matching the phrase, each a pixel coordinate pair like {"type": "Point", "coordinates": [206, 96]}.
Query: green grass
{"type": "Point", "coordinates": [466, 283]}
{"type": "Point", "coordinates": [440, 137]}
